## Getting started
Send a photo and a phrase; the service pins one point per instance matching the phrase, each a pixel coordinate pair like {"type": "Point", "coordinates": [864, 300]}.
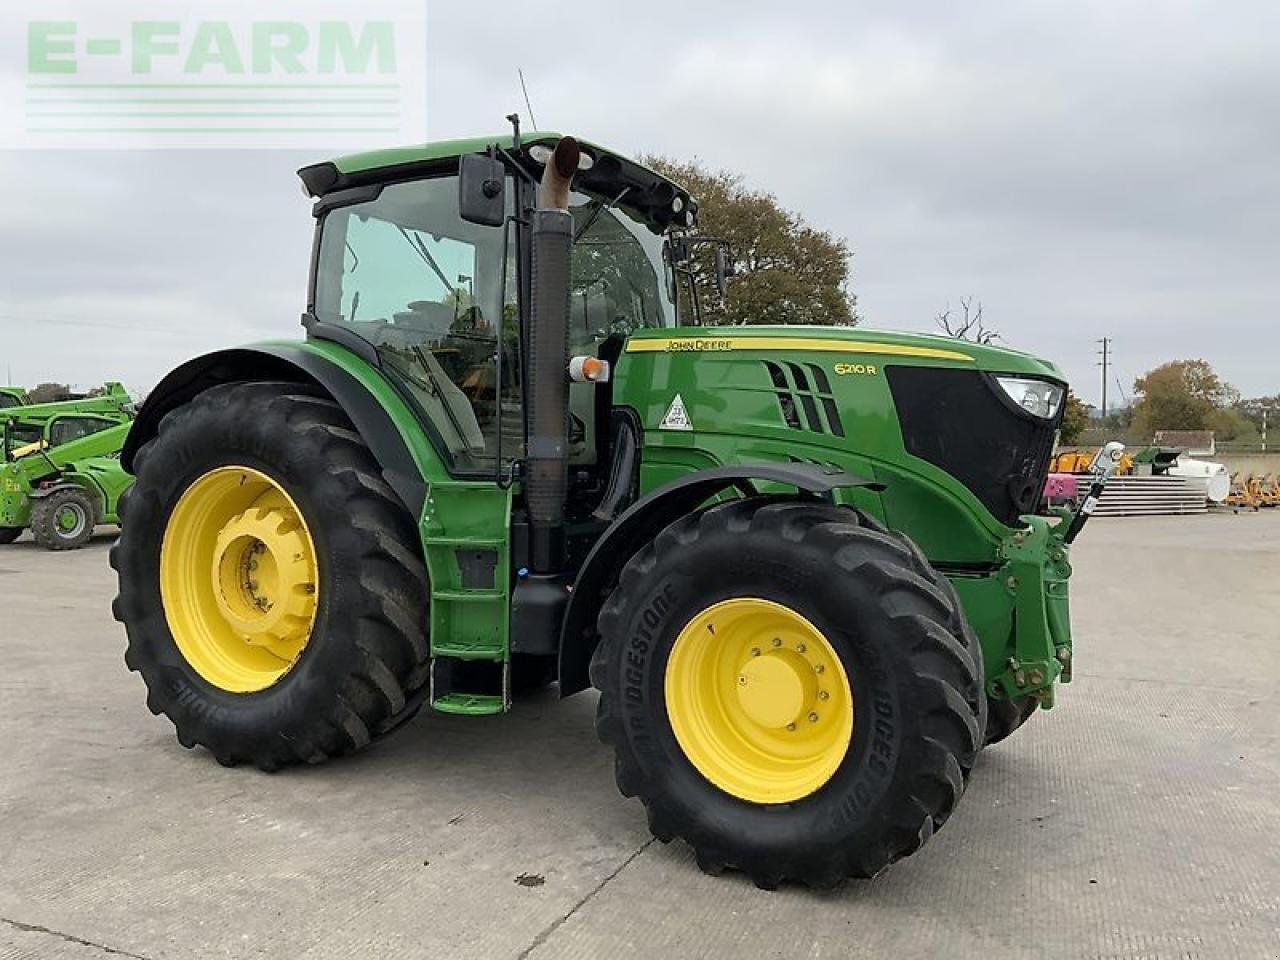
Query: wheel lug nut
{"type": "Point", "coordinates": [823, 695]}
{"type": "Point", "coordinates": [813, 718]}
{"type": "Point", "coordinates": [777, 642]}
{"type": "Point", "coordinates": [818, 668]}
{"type": "Point", "coordinates": [755, 651]}
{"type": "Point", "coordinates": [742, 681]}
{"type": "Point", "coordinates": [799, 648]}
{"type": "Point", "coordinates": [791, 726]}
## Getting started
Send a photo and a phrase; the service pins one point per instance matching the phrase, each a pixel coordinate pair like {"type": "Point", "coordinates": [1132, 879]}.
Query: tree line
{"type": "Point", "coordinates": [1190, 395]}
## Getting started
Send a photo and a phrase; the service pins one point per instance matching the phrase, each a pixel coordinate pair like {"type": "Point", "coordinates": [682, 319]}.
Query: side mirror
{"type": "Point", "coordinates": [724, 269]}
{"type": "Point", "coordinates": [482, 190]}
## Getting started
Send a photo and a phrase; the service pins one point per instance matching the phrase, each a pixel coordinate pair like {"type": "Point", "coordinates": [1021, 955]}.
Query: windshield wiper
{"type": "Point", "coordinates": [421, 248]}
{"type": "Point", "coordinates": [430, 384]}
{"type": "Point", "coordinates": [434, 387]}
{"type": "Point", "coordinates": [598, 207]}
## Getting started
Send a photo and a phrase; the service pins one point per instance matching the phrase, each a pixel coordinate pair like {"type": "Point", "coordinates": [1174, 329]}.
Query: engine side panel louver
{"type": "Point", "coordinates": [804, 397]}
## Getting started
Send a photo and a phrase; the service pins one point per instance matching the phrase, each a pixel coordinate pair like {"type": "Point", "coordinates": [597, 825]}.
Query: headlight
{"type": "Point", "coordinates": [1038, 397]}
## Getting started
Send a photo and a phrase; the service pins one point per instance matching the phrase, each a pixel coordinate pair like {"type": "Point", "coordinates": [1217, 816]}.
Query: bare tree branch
{"type": "Point", "coordinates": [969, 326]}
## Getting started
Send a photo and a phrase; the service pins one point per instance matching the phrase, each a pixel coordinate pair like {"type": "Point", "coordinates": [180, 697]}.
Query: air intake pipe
{"type": "Point", "coordinates": [547, 476]}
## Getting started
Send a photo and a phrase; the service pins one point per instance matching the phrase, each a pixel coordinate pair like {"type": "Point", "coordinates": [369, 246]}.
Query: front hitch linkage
{"type": "Point", "coordinates": [1102, 468]}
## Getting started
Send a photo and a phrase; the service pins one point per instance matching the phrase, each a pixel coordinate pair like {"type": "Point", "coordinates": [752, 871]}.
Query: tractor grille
{"type": "Point", "coordinates": [959, 421]}
{"type": "Point", "coordinates": [804, 397]}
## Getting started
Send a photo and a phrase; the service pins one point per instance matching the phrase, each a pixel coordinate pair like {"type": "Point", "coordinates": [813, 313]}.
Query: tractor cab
{"type": "Point", "coordinates": [437, 297]}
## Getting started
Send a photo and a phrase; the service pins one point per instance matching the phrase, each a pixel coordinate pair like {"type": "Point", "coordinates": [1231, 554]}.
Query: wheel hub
{"type": "Point", "coordinates": [758, 700]}
{"type": "Point", "coordinates": [238, 579]}
{"type": "Point", "coordinates": [68, 519]}
{"type": "Point", "coordinates": [262, 578]}
{"type": "Point", "coordinates": [777, 689]}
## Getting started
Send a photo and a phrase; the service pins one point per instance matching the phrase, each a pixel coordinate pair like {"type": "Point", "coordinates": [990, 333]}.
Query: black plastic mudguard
{"type": "Point", "coordinates": [642, 522]}
{"type": "Point", "coordinates": [295, 365]}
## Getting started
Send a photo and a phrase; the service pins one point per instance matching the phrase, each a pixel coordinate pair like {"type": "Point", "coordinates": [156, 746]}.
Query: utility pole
{"type": "Point", "coordinates": [1105, 364]}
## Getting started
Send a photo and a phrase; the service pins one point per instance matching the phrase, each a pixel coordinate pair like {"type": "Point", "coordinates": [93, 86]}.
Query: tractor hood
{"type": "Point", "coordinates": [950, 427]}
{"type": "Point", "coordinates": [856, 341]}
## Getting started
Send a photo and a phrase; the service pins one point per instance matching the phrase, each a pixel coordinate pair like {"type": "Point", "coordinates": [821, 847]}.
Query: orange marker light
{"type": "Point", "coordinates": [588, 370]}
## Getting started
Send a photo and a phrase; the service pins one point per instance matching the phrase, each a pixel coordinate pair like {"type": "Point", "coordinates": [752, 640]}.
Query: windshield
{"type": "Point", "coordinates": [619, 273]}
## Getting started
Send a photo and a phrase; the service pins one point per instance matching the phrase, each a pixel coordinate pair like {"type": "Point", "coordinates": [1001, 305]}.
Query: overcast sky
{"type": "Point", "coordinates": [1082, 168]}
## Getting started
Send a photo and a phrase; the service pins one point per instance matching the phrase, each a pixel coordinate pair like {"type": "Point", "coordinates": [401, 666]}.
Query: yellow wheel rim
{"type": "Point", "coordinates": [758, 700]}
{"type": "Point", "coordinates": [238, 579]}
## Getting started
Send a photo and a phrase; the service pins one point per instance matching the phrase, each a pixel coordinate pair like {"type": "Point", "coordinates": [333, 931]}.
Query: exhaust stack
{"type": "Point", "coordinates": [546, 481]}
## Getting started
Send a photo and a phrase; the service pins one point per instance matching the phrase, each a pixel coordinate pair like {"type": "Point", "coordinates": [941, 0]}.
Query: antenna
{"type": "Point", "coordinates": [528, 106]}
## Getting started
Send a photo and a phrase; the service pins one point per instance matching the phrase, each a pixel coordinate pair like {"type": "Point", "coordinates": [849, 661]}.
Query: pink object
{"type": "Point", "coordinates": [1060, 488]}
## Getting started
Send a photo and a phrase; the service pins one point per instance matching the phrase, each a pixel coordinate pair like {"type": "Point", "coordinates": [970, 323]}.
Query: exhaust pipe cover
{"type": "Point", "coordinates": [557, 175]}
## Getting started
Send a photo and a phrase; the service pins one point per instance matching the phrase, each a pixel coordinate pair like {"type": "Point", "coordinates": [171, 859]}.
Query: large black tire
{"type": "Point", "coordinates": [898, 630]}
{"type": "Point", "coordinates": [9, 534]}
{"type": "Point", "coordinates": [364, 668]}
{"type": "Point", "coordinates": [45, 513]}
{"type": "Point", "coordinates": [1006, 716]}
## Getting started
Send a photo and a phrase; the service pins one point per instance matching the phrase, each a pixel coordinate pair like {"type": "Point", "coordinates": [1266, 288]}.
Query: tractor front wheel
{"type": "Point", "coordinates": [790, 688]}
{"type": "Point", "coordinates": [64, 520]}
{"type": "Point", "coordinates": [271, 584]}
{"type": "Point", "coordinates": [1006, 716]}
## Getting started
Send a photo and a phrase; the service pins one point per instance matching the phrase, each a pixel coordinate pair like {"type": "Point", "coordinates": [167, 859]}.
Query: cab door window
{"type": "Point", "coordinates": [425, 288]}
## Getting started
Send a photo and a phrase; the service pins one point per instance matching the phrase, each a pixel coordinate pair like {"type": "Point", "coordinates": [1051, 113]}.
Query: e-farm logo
{"type": "Point", "coordinates": [226, 74]}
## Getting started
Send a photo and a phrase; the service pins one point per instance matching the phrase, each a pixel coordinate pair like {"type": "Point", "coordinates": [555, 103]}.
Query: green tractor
{"type": "Point", "coordinates": [63, 485]}
{"type": "Point", "coordinates": [61, 473]}
{"type": "Point", "coordinates": [800, 565]}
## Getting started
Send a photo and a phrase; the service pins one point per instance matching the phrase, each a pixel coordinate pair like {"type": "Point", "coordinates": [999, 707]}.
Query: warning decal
{"type": "Point", "coordinates": [677, 417]}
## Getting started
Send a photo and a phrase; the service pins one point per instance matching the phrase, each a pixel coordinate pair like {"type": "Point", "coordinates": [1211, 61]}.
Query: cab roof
{"type": "Point", "coordinates": [437, 150]}
{"type": "Point", "coordinates": [660, 200]}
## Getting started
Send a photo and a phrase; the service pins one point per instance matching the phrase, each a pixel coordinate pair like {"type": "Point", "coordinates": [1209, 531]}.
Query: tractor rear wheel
{"type": "Point", "coordinates": [64, 520]}
{"type": "Point", "coordinates": [10, 534]}
{"type": "Point", "coordinates": [1006, 716]}
{"type": "Point", "coordinates": [789, 688]}
{"type": "Point", "coordinates": [271, 584]}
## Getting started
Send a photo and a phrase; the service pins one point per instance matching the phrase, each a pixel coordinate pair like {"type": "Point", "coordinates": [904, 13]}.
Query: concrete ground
{"type": "Point", "coordinates": [1138, 819]}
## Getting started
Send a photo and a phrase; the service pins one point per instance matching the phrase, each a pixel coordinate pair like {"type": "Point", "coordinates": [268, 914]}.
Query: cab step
{"type": "Point", "coordinates": [470, 704]}
{"type": "Point", "coordinates": [470, 683]}
{"type": "Point", "coordinates": [480, 650]}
